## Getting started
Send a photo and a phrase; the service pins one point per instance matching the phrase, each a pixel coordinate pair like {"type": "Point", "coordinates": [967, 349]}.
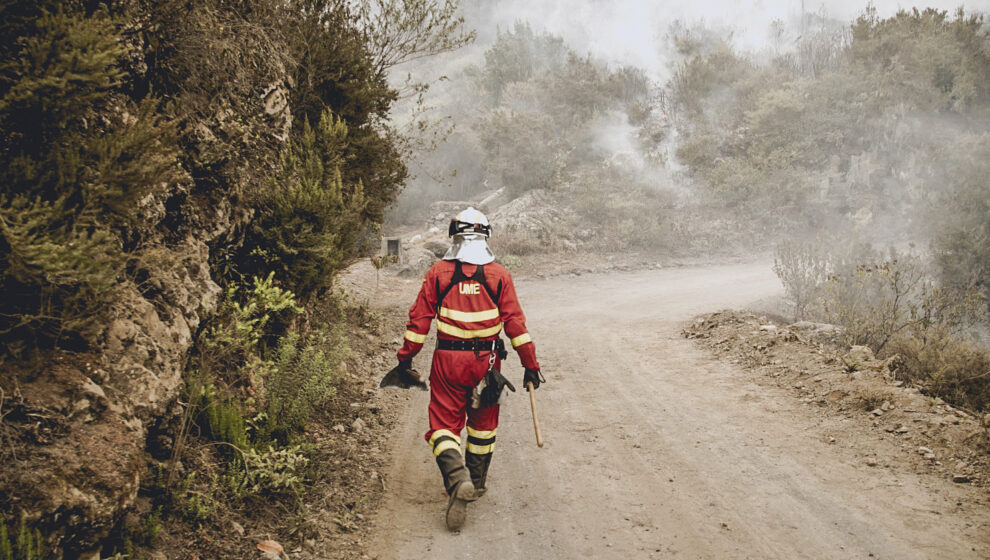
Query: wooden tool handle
{"type": "Point", "coordinates": [536, 420]}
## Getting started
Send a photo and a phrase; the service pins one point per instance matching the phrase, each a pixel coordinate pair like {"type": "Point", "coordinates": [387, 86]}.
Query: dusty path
{"type": "Point", "coordinates": [655, 450]}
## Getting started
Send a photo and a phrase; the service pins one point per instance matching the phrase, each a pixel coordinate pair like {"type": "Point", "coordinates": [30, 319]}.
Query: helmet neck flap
{"type": "Point", "coordinates": [471, 248]}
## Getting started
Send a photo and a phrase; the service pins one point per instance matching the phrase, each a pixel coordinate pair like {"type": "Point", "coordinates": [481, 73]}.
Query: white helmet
{"type": "Point", "coordinates": [469, 230]}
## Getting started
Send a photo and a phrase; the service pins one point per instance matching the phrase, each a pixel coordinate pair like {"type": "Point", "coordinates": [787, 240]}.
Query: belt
{"type": "Point", "coordinates": [474, 345]}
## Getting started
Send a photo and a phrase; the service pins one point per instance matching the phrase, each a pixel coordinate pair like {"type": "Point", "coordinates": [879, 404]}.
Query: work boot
{"type": "Point", "coordinates": [457, 482]}
{"type": "Point", "coordinates": [478, 465]}
{"type": "Point", "coordinates": [462, 493]}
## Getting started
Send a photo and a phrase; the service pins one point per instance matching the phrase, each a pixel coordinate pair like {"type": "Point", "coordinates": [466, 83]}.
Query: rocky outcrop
{"type": "Point", "coordinates": [81, 425]}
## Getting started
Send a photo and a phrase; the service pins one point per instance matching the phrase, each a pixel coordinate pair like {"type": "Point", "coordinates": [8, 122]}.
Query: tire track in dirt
{"type": "Point", "coordinates": [656, 450]}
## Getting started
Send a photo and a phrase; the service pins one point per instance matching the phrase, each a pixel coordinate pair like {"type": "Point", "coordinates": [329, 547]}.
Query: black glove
{"type": "Point", "coordinates": [533, 376]}
{"type": "Point", "coordinates": [494, 382]}
{"type": "Point", "coordinates": [403, 376]}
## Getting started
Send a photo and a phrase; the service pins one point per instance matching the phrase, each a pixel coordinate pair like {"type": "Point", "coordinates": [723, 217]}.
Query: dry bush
{"type": "Point", "coordinates": [889, 303]}
{"type": "Point", "coordinates": [803, 269]}
{"type": "Point", "coordinates": [806, 269]}
{"type": "Point", "coordinates": [524, 242]}
{"type": "Point", "coordinates": [947, 366]}
{"type": "Point", "coordinates": [872, 396]}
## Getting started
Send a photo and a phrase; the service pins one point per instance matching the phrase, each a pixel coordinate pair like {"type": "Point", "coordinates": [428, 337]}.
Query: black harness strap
{"type": "Point", "coordinates": [459, 276]}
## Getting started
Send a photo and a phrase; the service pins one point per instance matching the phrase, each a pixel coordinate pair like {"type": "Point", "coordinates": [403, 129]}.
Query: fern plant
{"type": "Point", "coordinates": [302, 379]}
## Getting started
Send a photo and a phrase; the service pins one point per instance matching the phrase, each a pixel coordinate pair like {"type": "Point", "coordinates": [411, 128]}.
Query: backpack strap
{"type": "Point", "coordinates": [479, 276]}
{"type": "Point", "coordinates": [459, 276]}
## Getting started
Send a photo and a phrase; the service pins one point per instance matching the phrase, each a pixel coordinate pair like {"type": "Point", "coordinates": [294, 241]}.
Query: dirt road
{"type": "Point", "coordinates": [655, 450]}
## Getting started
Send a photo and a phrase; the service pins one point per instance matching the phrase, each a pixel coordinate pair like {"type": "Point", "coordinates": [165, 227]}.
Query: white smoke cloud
{"type": "Point", "coordinates": [632, 32]}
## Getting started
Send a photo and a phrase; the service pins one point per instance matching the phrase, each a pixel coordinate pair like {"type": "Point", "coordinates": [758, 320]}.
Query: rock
{"type": "Point", "coordinates": [886, 406]}
{"type": "Point", "coordinates": [930, 456]}
{"type": "Point", "coordinates": [358, 425]}
{"type": "Point", "coordinates": [494, 200]}
{"type": "Point", "coordinates": [768, 328]}
{"type": "Point", "coordinates": [961, 478]}
{"type": "Point", "coordinates": [924, 450]}
{"type": "Point", "coordinates": [858, 358]}
{"type": "Point", "coordinates": [438, 248]}
{"type": "Point", "coordinates": [443, 210]}
{"type": "Point", "coordinates": [877, 412]}
{"type": "Point", "coordinates": [416, 261]}
{"type": "Point", "coordinates": [339, 428]}
{"type": "Point", "coordinates": [871, 461]}
{"type": "Point", "coordinates": [407, 271]}
{"type": "Point", "coordinates": [799, 385]}
{"type": "Point", "coordinates": [902, 430]}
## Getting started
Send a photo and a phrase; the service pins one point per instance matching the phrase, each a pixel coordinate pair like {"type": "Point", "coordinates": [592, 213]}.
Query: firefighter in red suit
{"type": "Point", "coordinates": [473, 300]}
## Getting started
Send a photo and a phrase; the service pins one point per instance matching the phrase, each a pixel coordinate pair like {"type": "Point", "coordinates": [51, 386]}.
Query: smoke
{"type": "Point", "coordinates": [633, 32]}
{"type": "Point", "coordinates": [620, 33]}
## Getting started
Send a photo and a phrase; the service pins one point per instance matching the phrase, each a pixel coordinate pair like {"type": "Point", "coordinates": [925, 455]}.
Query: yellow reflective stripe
{"type": "Point", "coordinates": [461, 333]}
{"type": "Point", "coordinates": [480, 449]}
{"type": "Point", "coordinates": [469, 316]}
{"type": "Point", "coordinates": [481, 434]}
{"type": "Point", "coordinates": [445, 445]}
{"type": "Point", "coordinates": [521, 339]}
{"type": "Point", "coordinates": [415, 337]}
{"type": "Point", "coordinates": [439, 433]}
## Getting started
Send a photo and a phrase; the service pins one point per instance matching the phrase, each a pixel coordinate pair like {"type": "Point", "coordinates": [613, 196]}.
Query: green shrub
{"type": "Point", "coordinates": [309, 221]}
{"type": "Point", "coordinates": [238, 335]}
{"type": "Point", "coordinates": [274, 470]}
{"type": "Point", "coordinates": [77, 161]}
{"type": "Point", "coordinates": [510, 261]}
{"type": "Point", "coordinates": [958, 217]}
{"type": "Point", "coordinates": [198, 508]}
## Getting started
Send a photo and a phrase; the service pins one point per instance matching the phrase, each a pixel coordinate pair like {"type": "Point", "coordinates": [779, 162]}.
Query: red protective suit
{"type": "Point", "coordinates": [477, 307]}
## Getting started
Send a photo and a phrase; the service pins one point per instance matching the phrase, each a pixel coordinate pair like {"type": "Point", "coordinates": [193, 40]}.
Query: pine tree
{"type": "Point", "coordinates": [309, 220]}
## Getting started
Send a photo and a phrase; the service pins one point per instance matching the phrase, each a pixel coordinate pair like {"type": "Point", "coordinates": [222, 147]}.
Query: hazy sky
{"type": "Point", "coordinates": [631, 31]}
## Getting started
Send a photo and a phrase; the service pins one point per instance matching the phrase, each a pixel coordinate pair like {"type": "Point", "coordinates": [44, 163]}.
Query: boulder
{"type": "Point", "coordinates": [859, 358]}
{"type": "Point", "coordinates": [416, 261]}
